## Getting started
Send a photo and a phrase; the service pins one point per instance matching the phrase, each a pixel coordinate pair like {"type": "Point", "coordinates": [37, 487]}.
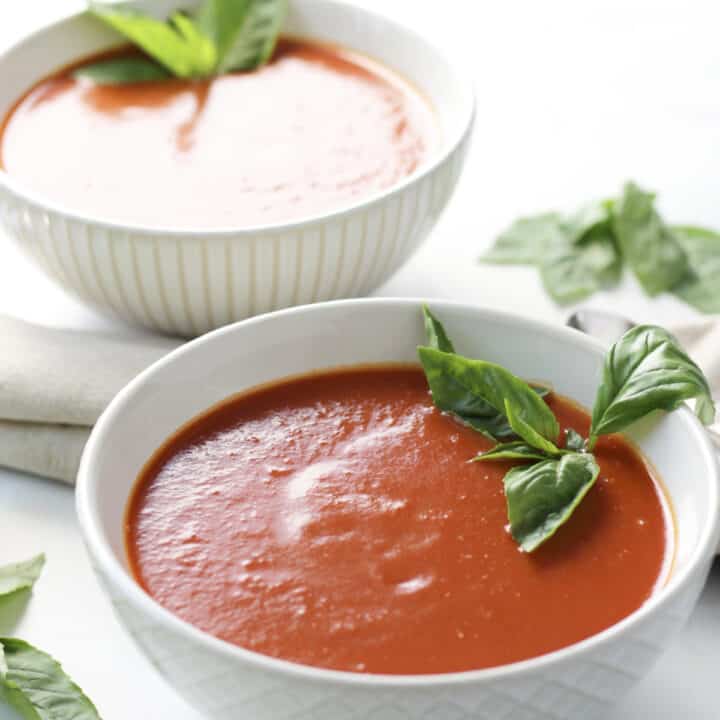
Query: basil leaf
{"type": "Point", "coordinates": [647, 244]}
{"type": "Point", "coordinates": [37, 686]}
{"type": "Point", "coordinates": [516, 450]}
{"type": "Point", "coordinates": [529, 240]}
{"type": "Point", "coordinates": [436, 336]}
{"type": "Point", "coordinates": [20, 576]}
{"type": "Point", "coordinates": [647, 370]}
{"type": "Point", "coordinates": [177, 44]}
{"type": "Point", "coordinates": [221, 21]}
{"type": "Point", "coordinates": [473, 389]}
{"type": "Point", "coordinates": [120, 71]}
{"type": "Point", "coordinates": [527, 432]}
{"type": "Point", "coordinates": [244, 31]}
{"type": "Point", "coordinates": [701, 285]}
{"type": "Point", "coordinates": [576, 272]}
{"type": "Point", "coordinates": [541, 497]}
{"type": "Point", "coordinates": [592, 218]}
{"type": "Point", "coordinates": [574, 441]}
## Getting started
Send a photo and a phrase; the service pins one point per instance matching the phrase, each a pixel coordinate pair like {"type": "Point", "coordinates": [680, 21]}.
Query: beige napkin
{"type": "Point", "coordinates": [55, 383]}
{"type": "Point", "coordinates": [53, 386]}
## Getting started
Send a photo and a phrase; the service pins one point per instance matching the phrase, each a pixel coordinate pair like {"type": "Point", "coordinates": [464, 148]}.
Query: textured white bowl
{"type": "Point", "coordinates": [225, 681]}
{"type": "Point", "coordinates": [189, 281]}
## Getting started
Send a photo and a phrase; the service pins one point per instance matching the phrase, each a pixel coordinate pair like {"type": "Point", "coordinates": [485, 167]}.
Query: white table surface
{"type": "Point", "coordinates": [573, 98]}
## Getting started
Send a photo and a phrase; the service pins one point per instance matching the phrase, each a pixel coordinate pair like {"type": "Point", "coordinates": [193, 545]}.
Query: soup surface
{"type": "Point", "coordinates": [334, 520]}
{"type": "Point", "coordinates": [317, 128]}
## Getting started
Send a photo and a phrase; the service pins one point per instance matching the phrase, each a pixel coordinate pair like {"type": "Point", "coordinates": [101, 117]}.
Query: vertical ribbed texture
{"type": "Point", "coordinates": [188, 285]}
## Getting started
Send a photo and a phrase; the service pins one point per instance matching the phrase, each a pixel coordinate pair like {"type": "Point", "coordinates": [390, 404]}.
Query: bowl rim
{"type": "Point", "coordinates": [448, 145]}
{"type": "Point", "coordinates": [88, 487]}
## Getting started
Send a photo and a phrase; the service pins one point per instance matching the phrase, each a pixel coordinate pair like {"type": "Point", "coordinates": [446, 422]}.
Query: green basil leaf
{"type": "Point", "coordinates": [541, 497]}
{"type": "Point", "coordinates": [516, 450]}
{"type": "Point", "coordinates": [701, 285]}
{"type": "Point", "coordinates": [527, 433]}
{"type": "Point", "coordinates": [647, 370]}
{"type": "Point", "coordinates": [120, 71]}
{"type": "Point", "coordinates": [177, 44]}
{"type": "Point", "coordinates": [37, 686]}
{"type": "Point", "coordinates": [529, 240]}
{"type": "Point", "coordinates": [221, 21]}
{"type": "Point", "coordinates": [590, 219]}
{"type": "Point", "coordinates": [20, 576]}
{"type": "Point", "coordinates": [648, 245]}
{"type": "Point", "coordinates": [574, 441]}
{"type": "Point", "coordinates": [436, 336]}
{"type": "Point", "coordinates": [472, 389]}
{"type": "Point", "coordinates": [245, 31]}
{"type": "Point", "coordinates": [576, 272]}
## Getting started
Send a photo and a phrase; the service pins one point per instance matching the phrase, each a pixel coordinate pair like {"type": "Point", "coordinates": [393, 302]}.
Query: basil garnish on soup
{"type": "Point", "coordinates": [221, 36]}
{"type": "Point", "coordinates": [644, 371]}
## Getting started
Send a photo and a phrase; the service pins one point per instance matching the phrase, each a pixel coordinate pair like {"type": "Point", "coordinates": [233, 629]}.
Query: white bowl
{"type": "Point", "coordinates": [225, 681]}
{"type": "Point", "coordinates": [189, 281]}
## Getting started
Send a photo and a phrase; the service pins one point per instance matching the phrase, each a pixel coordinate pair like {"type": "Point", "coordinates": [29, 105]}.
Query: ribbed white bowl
{"type": "Point", "coordinates": [227, 682]}
{"type": "Point", "coordinates": [189, 281]}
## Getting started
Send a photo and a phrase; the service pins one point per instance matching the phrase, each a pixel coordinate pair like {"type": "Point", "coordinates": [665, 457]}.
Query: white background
{"type": "Point", "coordinates": [573, 98]}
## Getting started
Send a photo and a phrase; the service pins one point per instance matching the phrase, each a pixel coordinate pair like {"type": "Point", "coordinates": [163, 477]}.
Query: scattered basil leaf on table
{"type": "Point", "coordinates": [37, 686]}
{"type": "Point", "coordinates": [591, 219]}
{"type": "Point", "coordinates": [20, 576]}
{"type": "Point", "coordinates": [585, 251]}
{"type": "Point", "coordinates": [120, 71]}
{"type": "Point", "coordinates": [541, 497]}
{"type": "Point", "coordinates": [701, 285]}
{"type": "Point", "coordinates": [467, 387]}
{"type": "Point", "coordinates": [577, 271]}
{"type": "Point", "coordinates": [647, 370]}
{"type": "Point", "coordinates": [222, 36]}
{"type": "Point", "coordinates": [529, 240]}
{"type": "Point", "coordinates": [648, 245]}
{"type": "Point", "coordinates": [516, 450]}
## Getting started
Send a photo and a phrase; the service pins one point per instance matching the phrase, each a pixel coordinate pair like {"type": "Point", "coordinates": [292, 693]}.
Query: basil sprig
{"type": "Point", "coordinates": [645, 370]}
{"type": "Point", "coordinates": [479, 392]}
{"type": "Point", "coordinates": [30, 680]}
{"type": "Point", "coordinates": [471, 408]}
{"type": "Point", "coordinates": [222, 36]}
{"type": "Point", "coordinates": [586, 251]}
{"type": "Point", "coordinates": [20, 576]}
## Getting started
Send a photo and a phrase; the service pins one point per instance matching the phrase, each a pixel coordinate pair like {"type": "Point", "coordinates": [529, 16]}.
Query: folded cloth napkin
{"type": "Point", "coordinates": [55, 383]}
{"type": "Point", "coordinates": [53, 386]}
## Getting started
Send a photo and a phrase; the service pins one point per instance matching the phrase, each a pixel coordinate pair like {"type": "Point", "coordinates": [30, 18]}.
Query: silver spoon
{"type": "Point", "coordinates": [608, 327]}
{"type": "Point", "coordinates": [604, 326]}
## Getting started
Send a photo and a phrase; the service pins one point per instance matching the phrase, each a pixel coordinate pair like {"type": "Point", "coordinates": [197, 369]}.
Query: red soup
{"type": "Point", "coordinates": [334, 520]}
{"type": "Point", "coordinates": [316, 128]}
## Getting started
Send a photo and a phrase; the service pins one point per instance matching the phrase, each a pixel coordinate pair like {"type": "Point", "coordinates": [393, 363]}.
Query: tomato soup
{"type": "Point", "coordinates": [334, 520]}
{"type": "Point", "coordinates": [316, 129]}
